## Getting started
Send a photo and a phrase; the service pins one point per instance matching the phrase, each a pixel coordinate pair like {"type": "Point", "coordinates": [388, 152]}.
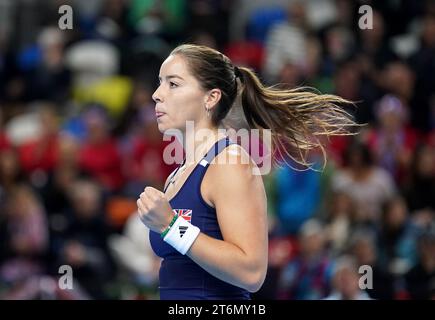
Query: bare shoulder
{"type": "Point", "coordinates": [233, 169]}
{"type": "Point", "coordinates": [239, 197]}
{"type": "Point", "coordinates": [233, 158]}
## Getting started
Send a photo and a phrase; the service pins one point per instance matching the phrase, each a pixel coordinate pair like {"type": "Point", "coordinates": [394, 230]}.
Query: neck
{"type": "Point", "coordinates": [197, 140]}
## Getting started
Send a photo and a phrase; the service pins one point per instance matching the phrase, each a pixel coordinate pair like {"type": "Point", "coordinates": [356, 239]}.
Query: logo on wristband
{"type": "Point", "coordinates": [182, 230]}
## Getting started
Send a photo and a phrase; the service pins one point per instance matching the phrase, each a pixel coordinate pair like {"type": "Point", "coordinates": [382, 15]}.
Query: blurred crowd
{"type": "Point", "coordinates": [79, 143]}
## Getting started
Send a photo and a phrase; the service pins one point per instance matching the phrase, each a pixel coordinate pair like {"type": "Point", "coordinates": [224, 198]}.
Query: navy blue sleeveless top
{"type": "Point", "coordinates": [181, 278]}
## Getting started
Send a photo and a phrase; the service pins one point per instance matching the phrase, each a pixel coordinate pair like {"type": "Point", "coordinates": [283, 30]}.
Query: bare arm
{"type": "Point", "coordinates": [240, 202]}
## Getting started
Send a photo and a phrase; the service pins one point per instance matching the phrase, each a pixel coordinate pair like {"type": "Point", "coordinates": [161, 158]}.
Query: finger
{"type": "Point", "coordinates": [143, 217]}
{"type": "Point", "coordinates": [145, 199]}
{"type": "Point", "coordinates": [142, 209]}
{"type": "Point", "coordinates": [148, 190]}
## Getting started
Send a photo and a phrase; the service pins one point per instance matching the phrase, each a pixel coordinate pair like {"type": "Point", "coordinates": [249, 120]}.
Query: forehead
{"type": "Point", "coordinates": [175, 65]}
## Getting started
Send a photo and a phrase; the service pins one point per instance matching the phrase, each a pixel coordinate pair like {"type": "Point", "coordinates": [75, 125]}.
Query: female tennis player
{"type": "Point", "coordinates": [209, 224]}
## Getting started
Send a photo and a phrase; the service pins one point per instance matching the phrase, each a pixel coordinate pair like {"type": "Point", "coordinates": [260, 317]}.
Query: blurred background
{"type": "Point", "coordinates": [79, 142]}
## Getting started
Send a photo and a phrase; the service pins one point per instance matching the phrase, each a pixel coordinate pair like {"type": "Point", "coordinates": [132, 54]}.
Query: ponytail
{"type": "Point", "coordinates": [297, 117]}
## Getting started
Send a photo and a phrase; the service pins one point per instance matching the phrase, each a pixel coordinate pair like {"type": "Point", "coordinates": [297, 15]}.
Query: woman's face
{"type": "Point", "coordinates": [179, 97]}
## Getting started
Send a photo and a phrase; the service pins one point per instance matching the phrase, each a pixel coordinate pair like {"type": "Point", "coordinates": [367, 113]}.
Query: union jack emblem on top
{"type": "Point", "coordinates": [185, 213]}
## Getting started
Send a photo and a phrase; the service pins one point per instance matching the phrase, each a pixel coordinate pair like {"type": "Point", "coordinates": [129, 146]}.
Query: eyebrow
{"type": "Point", "coordinates": [171, 76]}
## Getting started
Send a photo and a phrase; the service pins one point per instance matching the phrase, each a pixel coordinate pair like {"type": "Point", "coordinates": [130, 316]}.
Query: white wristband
{"type": "Point", "coordinates": [181, 235]}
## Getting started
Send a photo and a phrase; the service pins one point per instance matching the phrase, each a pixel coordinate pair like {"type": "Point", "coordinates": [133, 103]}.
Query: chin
{"type": "Point", "coordinates": [161, 128]}
{"type": "Point", "coordinates": [167, 130]}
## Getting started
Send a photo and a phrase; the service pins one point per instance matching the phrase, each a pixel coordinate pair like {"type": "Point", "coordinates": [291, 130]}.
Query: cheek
{"type": "Point", "coordinates": [175, 118]}
{"type": "Point", "coordinates": [185, 110]}
{"type": "Point", "coordinates": [185, 104]}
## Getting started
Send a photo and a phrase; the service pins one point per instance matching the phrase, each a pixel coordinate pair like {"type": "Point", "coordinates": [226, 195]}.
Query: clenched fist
{"type": "Point", "coordinates": [154, 209]}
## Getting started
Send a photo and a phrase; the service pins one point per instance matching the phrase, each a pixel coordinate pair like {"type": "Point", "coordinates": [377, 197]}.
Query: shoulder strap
{"type": "Point", "coordinates": [215, 150]}
{"type": "Point", "coordinates": [210, 155]}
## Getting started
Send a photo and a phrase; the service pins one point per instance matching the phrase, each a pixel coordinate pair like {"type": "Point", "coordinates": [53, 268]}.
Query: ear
{"type": "Point", "coordinates": [212, 98]}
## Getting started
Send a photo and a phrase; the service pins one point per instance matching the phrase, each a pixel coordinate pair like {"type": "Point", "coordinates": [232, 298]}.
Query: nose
{"type": "Point", "coordinates": [157, 95]}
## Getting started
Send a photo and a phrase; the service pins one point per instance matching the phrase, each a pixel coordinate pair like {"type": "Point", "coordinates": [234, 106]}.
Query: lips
{"type": "Point", "coordinates": [159, 114]}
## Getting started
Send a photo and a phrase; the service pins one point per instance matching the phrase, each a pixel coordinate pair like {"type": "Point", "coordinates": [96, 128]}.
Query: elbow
{"type": "Point", "coordinates": [254, 274]}
{"type": "Point", "coordinates": [255, 281]}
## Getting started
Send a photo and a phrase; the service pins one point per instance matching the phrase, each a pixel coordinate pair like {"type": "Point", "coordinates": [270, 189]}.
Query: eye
{"type": "Point", "coordinates": [172, 84]}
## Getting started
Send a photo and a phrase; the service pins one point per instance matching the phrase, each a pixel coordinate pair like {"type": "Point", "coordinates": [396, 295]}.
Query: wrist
{"type": "Point", "coordinates": [171, 220]}
{"type": "Point", "coordinates": [181, 235]}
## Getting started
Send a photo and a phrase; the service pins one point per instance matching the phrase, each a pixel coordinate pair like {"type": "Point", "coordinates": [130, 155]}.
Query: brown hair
{"type": "Point", "coordinates": [297, 117]}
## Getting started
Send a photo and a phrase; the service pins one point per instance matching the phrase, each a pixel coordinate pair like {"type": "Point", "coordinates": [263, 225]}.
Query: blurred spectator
{"type": "Point", "coordinates": [99, 155]}
{"type": "Point", "coordinates": [281, 251]}
{"type": "Point", "coordinates": [39, 155]}
{"type": "Point", "coordinates": [347, 84]}
{"type": "Point", "coordinates": [368, 185]}
{"type": "Point", "coordinates": [338, 44]}
{"type": "Point", "coordinates": [204, 39]}
{"type": "Point", "coordinates": [112, 22]}
{"type": "Point", "coordinates": [133, 253]}
{"type": "Point", "coordinates": [10, 171]}
{"type": "Point", "coordinates": [203, 15]}
{"type": "Point", "coordinates": [372, 53]}
{"type": "Point", "coordinates": [10, 176]}
{"type": "Point", "coordinates": [286, 42]}
{"type": "Point", "coordinates": [339, 221]}
{"type": "Point", "coordinates": [83, 244]}
{"type": "Point", "coordinates": [392, 141]}
{"type": "Point", "coordinates": [50, 78]}
{"type": "Point", "coordinates": [347, 80]}
{"type": "Point", "coordinates": [290, 76]}
{"type": "Point", "coordinates": [25, 238]}
{"type": "Point", "coordinates": [307, 276]}
{"type": "Point", "coordinates": [423, 64]}
{"type": "Point", "coordinates": [400, 14]}
{"type": "Point", "coordinates": [373, 50]}
{"type": "Point", "coordinates": [421, 277]}
{"type": "Point", "coordinates": [243, 12]}
{"type": "Point", "coordinates": [305, 188]}
{"type": "Point", "coordinates": [55, 193]}
{"type": "Point", "coordinates": [262, 20]}
{"type": "Point", "coordinates": [246, 53]}
{"type": "Point", "coordinates": [363, 248]}
{"type": "Point", "coordinates": [346, 281]}
{"type": "Point", "coordinates": [419, 188]}
{"type": "Point", "coordinates": [399, 80]}
{"type": "Point", "coordinates": [396, 237]}
{"type": "Point", "coordinates": [164, 18]}
{"type": "Point", "coordinates": [26, 222]}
